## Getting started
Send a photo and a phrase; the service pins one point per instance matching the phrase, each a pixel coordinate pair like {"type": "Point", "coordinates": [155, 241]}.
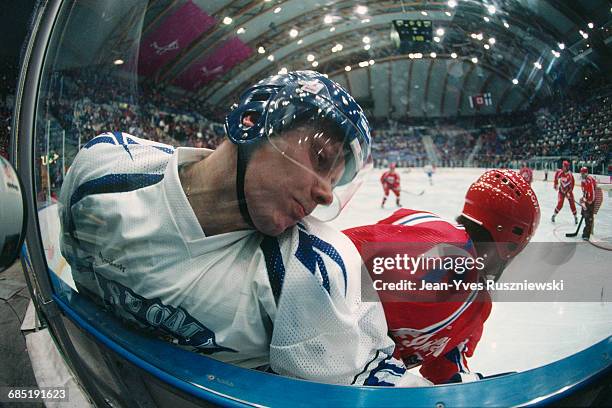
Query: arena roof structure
{"type": "Point", "coordinates": [478, 46]}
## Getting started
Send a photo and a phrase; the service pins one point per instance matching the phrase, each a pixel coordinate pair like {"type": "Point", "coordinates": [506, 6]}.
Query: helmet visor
{"type": "Point", "coordinates": [308, 129]}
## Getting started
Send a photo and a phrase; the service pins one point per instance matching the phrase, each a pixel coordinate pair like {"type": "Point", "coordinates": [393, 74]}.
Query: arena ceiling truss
{"type": "Point", "coordinates": [479, 52]}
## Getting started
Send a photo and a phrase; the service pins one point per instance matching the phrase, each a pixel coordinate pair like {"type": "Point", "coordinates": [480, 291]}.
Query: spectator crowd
{"type": "Point", "coordinates": [83, 103]}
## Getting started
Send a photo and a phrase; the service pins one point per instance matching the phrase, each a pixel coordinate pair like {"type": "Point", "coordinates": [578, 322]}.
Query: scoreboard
{"type": "Point", "coordinates": [413, 31]}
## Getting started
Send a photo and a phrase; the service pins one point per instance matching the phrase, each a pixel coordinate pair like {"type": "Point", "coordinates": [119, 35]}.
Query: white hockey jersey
{"type": "Point", "coordinates": [291, 302]}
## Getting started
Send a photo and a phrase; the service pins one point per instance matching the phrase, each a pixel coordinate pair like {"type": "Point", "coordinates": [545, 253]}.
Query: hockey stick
{"type": "Point", "coordinates": [420, 193]}
{"type": "Point", "coordinates": [573, 234]}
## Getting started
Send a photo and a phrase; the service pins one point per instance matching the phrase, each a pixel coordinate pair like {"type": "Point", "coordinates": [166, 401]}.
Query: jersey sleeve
{"type": "Point", "coordinates": [322, 329]}
{"type": "Point", "coordinates": [110, 162]}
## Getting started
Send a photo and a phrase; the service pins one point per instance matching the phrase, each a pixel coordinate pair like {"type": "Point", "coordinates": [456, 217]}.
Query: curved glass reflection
{"type": "Point", "coordinates": [453, 91]}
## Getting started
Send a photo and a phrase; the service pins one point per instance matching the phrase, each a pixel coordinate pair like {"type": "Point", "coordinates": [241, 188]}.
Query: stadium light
{"type": "Point", "coordinates": [277, 10]}
{"type": "Point", "coordinates": [366, 39]}
{"type": "Point", "coordinates": [433, 55]}
{"type": "Point", "coordinates": [366, 47]}
{"type": "Point", "coordinates": [452, 3]}
{"type": "Point", "coordinates": [241, 30]}
{"type": "Point", "coordinates": [328, 19]}
{"type": "Point", "coordinates": [486, 19]}
{"type": "Point", "coordinates": [310, 57]}
{"type": "Point", "coordinates": [561, 46]}
{"type": "Point", "coordinates": [227, 20]}
{"type": "Point", "coordinates": [293, 33]}
{"type": "Point", "coordinates": [270, 57]}
{"type": "Point", "coordinates": [261, 50]}
{"type": "Point", "coordinates": [361, 10]}
{"type": "Point", "coordinates": [491, 9]}
{"type": "Point", "coordinates": [590, 25]}
{"type": "Point", "coordinates": [424, 13]}
{"type": "Point", "coordinates": [436, 39]}
{"type": "Point", "coordinates": [118, 62]}
{"type": "Point", "coordinates": [515, 81]}
{"type": "Point", "coordinates": [440, 32]}
{"type": "Point", "coordinates": [454, 55]}
{"type": "Point", "coordinates": [315, 64]}
{"type": "Point", "coordinates": [475, 60]}
{"type": "Point", "coordinates": [347, 68]}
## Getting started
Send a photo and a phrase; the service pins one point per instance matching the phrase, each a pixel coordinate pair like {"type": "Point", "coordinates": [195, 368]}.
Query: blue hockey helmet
{"type": "Point", "coordinates": [279, 103]}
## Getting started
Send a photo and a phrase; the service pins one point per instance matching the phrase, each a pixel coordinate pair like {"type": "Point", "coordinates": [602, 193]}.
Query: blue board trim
{"type": "Point", "coordinates": [540, 386]}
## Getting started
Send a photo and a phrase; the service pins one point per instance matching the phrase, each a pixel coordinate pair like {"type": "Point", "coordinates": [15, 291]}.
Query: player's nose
{"type": "Point", "coordinates": [322, 191]}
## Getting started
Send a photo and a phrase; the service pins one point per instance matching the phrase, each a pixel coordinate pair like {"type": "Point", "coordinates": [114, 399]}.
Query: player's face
{"type": "Point", "coordinates": [284, 182]}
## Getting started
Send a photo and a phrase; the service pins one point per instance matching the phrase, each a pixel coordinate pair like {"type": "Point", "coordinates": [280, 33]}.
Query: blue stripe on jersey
{"type": "Point", "coordinates": [119, 137]}
{"type": "Point", "coordinates": [384, 367]}
{"type": "Point", "coordinates": [114, 183]}
{"type": "Point", "coordinates": [454, 356]}
{"type": "Point", "coordinates": [418, 218]}
{"type": "Point", "coordinates": [307, 255]}
{"type": "Point", "coordinates": [310, 259]}
{"type": "Point", "coordinates": [168, 150]}
{"type": "Point", "coordinates": [274, 265]}
{"type": "Point", "coordinates": [99, 139]}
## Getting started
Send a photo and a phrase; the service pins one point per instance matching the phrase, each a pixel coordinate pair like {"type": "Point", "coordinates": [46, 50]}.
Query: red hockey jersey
{"type": "Point", "coordinates": [564, 181]}
{"type": "Point", "coordinates": [391, 180]}
{"type": "Point", "coordinates": [436, 330]}
{"type": "Point", "coordinates": [588, 189]}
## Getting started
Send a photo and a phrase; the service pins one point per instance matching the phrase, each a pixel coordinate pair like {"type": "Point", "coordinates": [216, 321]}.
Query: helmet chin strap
{"type": "Point", "coordinates": [244, 153]}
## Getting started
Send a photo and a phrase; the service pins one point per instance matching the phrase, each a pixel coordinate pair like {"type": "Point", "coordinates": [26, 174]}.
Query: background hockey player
{"type": "Point", "coordinates": [587, 202]}
{"type": "Point", "coordinates": [440, 331]}
{"type": "Point", "coordinates": [213, 251]}
{"type": "Point", "coordinates": [429, 170]}
{"type": "Point", "coordinates": [564, 184]}
{"type": "Point", "coordinates": [526, 173]}
{"type": "Point", "coordinates": [390, 181]}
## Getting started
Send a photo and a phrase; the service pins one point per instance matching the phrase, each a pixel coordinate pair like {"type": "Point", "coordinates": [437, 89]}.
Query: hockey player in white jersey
{"type": "Point", "coordinates": [220, 251]}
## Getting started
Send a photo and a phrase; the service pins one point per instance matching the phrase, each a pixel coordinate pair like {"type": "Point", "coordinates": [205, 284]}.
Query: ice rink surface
{"type": "Point", "coordinates": [518, 335]}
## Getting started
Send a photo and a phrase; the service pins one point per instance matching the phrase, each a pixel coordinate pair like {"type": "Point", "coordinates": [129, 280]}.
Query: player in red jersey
{"type": "Point", "coordinates": [390, 181]}
{"type": "Point", "coordinates": [589, 186]}
{"type": "Point", "coordinates": [440, 330]}
{"type": "Point", "coordinates": [564, 183]}
{"type": "Point", "coordinates": [526, 173]}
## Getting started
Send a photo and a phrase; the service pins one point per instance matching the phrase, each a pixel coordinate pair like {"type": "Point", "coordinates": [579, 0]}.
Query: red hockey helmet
{"type": "Point", "coordinates": [503, 203]}
{"type": "Point", "coordinates": [584, 170]}
{"type": "Point", "coordinates": [392, 165]}
{"type": "Point", "coordinates": [566, 164]}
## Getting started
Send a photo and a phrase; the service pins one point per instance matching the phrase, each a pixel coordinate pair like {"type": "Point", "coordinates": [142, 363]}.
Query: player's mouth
{"type": "Point", "coordinates": [299, 211]}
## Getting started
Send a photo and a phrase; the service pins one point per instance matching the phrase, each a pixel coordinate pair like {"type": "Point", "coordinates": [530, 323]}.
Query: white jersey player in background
{"type": "Point", "coordinates": [429, 170]}
{"type": "Point", "coordinates": [215, 251]}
